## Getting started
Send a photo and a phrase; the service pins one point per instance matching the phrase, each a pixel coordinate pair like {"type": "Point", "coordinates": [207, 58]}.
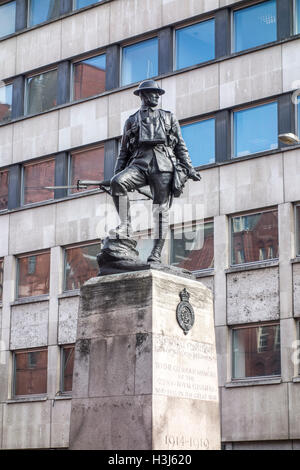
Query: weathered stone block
{"type": "Point", "coordinates": [68, 312]}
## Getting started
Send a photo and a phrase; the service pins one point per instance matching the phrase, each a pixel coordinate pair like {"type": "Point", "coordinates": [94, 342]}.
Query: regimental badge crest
{"type": "Point", "coordinates": [185, 312]}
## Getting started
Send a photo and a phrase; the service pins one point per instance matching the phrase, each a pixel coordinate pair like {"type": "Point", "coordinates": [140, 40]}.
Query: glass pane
{"type": "Point", "coordinates": [1, 279]}
{"type": "Point", "coordinates": [254, 237]}
{"type": "Point", "coordinates": [144, 247]}
{"type": "Point", "coordinates": [36, 177]}
{"type": "Point", "coordinates": [89, 77]}
{"type": "Point", "coordinates": [193, 248]}
{"type": "Point", "coordinates": [255, 25]}
{"type": "Point", "coordinates": [41, 92]}
{"type": "Point", "coordinates": [31, 372]}
{"type": "Point", "coordinates": [3, 189]}
{"type": "Point", "coordinates": [44, 10]}
{"type": "Point", "coordinates": [87, 165]}
{"type": "Point", "coordinates": [5, 102]}
{"type": "Point", "coordinates": [33, 275]}
{"type": "Point", "coordinates": [140, 61]}
{"type": "Point", "coordinates": [80, 265]}
{"type": "Point", "coordinates": [256, 351]}
{"type": "Point", "coordinates": [255, 129]}
{"type": "Point", "coordinates": [200, 140]}
{"type": "Point", "coordinates": [7, 19]}
{"type": "Point", "coordinates": [68, 365]}
{"type": "Point", "coordinates": [85, 3]}
{"type": "Point", "coordinates": [297, 17]}
{"type": "Point", "coordinates": [195, 44]}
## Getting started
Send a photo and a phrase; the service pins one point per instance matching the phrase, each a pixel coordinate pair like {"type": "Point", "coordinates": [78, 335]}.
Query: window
{"type": "Point", "coordinates": [1, 279]}
{"type": "Point", "coordinates": [254, 237]}
{"type": "Point", "coordinates": [4, 175]}
{"type": "Point", "coordinates": [67, 365]}
{"type": "Point", "coordinates": [144, 246]}
{"type": "Point", "coordinates": [195, 44]}
{"type": "Point", "coordinates": [7, 19]}
{"type": "Point", "coordinates": [89, 77]}
{"type": "Point", "coordinates": [254, 25]}
{"type": "Point", "coordinates": [33, 275]}
{"type": "Point", "coordinates": [297, 17]}
{"type": "Point", "coordinates": [200, 140]}
{"type": "Point", "coordinates": [192, 247]}
{"type": "Point", "coordinates": [41, 92]}
{"type": "Point", "coordinates": [40, 11]}
{"type": "Point", "coordinates": [255, 129]}
{"type": "Point", "coordinates": [87, 165]}
{"type": "Point", "coordinates": [5, 102]}
{"type": "Point", "coordinates": [140, 61]}
{"type": "Point", "coordinates": [30, 372]}
{"type": "Point", "coordinates": [80, 265]}
{"type": "Point", "coordinates": [256, 351]}
{"type": "Point", "coordinates": [36, 176]}
{"type": "Point", "coordinates": [84, 3]}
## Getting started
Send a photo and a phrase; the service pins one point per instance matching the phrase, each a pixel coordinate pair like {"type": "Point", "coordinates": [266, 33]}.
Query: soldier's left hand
{"type": "Point", "coordinates": [194, 175]}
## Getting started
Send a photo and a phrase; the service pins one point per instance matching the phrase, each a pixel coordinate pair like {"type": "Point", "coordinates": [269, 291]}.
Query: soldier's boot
{"type": "Point", "coordinates": [155, 256]}
{"type": "Point", "coordinates": [123, 208]}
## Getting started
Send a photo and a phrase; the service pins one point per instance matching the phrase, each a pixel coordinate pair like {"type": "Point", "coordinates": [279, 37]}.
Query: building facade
{"type": "Point", "coordinates": [231, 73]}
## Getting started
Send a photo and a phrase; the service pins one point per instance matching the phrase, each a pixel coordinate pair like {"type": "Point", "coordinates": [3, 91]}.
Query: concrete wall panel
{"type": "Point", "coordinates": [251, 184]}
{"type": "Point", "coordinates": [294, 410]}
{"type": "Point", "coordinates": [35, 137]}
{"type": "Point", "coordinates": [121, 105]}
{"type": "Point", "coordinates": [291, 162]}
{"type": "Point", "coordinates": [33, 229]}
{"type": "Point", "coordinates": [8, 58]}
{"type": "Point", "coordinates": [192, 93]}
{"type": "Point", "coordinates": [6, 147]}
{"type": "Point", "coordinates": [291, 65]}
{"type": "Point", "coordinates": [60, 424]}
{"type": "Point", "coordinates": [27, 425]}
{"type": "Point", "coordinates": [33, 49]}
{"type": "Point", "coordinates": [260, 413]}
{"type": "Point", "coordinates": [85, 31]}
{"type": "Point", "coordinates": [83, 123]}
{"type": "Point", "coordinates": [208, 282]}
{"type": "Point", "coordinates": [4, 235]}
{"type": "Point", "coordinates": [296, 288]}
{"type": "Point", "coordinates": [250, 77]}
{"type": "Point", "coordinates": [68, 313]}
{"type": "Point", "coordinates": [253, 296]}
{"type": "Point", "coordinates": [131, 19]}
{"type": "Point", "coordinates": [29, 325]}
{"type": "Point", "coordinates": [176, 10]}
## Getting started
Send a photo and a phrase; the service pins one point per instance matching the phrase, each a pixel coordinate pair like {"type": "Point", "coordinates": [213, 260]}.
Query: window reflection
{"type": "Point", "coordinates": [33, 275]}
{"type": "Point", "coordinates": [254, 237]}
{"type": "Point", "coordinates": [7, 19]}
{"type": "Point", "coordinates": [200, 140]}
{"type": "Point", "coordinates": [193, 248]}
{"type": "Point", "coordinates": [41, 92]}
{"type": "Point", "coordinates": [68, 353]}
{"type": "Point", "coordinates": [30, 372]}
{"type": "Point", "coordinates": [255, 25]}
{"type": "Point", "coordinates": [89, 77]}
{"type": "Point", "coordinates": [5, 102]}
{"type": "Point", "coordinates": [255, 129]}
{"type": "Point", "coordinates": [43, 10]}
{"type": "Point", "coordinates": [195, 44]}
{"type": "Point", "coordinates": [256, 351]}
{"type": "Point", "coordinates": [80, 265]}
{"type": "Point", "coordinates": [4, 175]}
{"type": "Point", "coordinates": [85, 3]}
{"type": "Point", "coordinates": [140, 61]}
{"type": "Point", "coordinates": [36, 177]}
{"type": "Point", "coordinates": [87, 165]}
{"type": "Point", "coordinates": [297, 17]}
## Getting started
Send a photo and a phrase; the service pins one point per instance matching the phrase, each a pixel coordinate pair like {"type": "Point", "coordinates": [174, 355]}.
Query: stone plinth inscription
{"type": "Point", "coordinates": [184, 369]}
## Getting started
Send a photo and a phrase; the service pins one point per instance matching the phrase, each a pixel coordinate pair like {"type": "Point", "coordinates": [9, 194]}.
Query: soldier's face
{"type": "Point", "coordinates": [150, 98]}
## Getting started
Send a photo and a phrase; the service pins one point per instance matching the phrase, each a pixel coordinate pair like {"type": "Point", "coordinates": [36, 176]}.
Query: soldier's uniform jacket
{"type": "Point", "coordinates": [153, 133]}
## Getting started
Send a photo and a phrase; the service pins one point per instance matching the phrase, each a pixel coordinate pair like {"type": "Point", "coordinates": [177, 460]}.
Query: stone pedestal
{"type": "Point", "coordinates": [140, 381]}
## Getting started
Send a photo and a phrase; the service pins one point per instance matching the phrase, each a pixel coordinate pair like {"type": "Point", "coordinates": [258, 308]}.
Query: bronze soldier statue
{"type": "Point", "coordinates": [152, 153]}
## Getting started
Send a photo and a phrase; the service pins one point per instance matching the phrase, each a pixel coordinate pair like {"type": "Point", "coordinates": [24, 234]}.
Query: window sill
{"type": "Point", "coordinates": [30, 399]}
{"type": "Point", "coordinates": [253, 382]}
{"type": "Point", "coordinates": [296, 379]}
{"type": "Point", "coordinates": [251, 266]}
{"type": "Point", "coordinates": [70, 293]}
{"type": "Point", "coordinates": [204, 273]}
{"type": "Point", "coordinates": [63, 397]}
{"type": "Point", "coordinates": [295, 260]}
{"type": "Point", "coordinates": [30, 300]}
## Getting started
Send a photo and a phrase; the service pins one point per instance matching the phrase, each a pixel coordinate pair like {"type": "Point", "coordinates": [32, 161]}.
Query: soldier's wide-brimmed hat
{"type": "Point", "coordinates": [149, 85]}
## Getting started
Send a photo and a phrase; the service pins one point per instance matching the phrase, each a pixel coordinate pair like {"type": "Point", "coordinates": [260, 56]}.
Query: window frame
{"type": "Point", "coordinates": [2, 170]}
{"type": "Point", "coordinates": [14, 32]}
{"type": "Point", "coordinates": [14, 373]}
{"type": "Point", "coordinates": [77, 61]}
{"type": "Point", "coordinates": [26, 93]}
{"type": "Point", "coordinates": [28, 255]}
{"type": "Point", "coordinates": [6, 84]}
{"type": "Point", "coordinates": [29, 26]}
{"type": "Point", "coordinates": [69, 247]}
{"type": "Point", "coordinates": [194, 120]}
{"type": "Point", "coordinates": [61, 378]}
{"type": "Point", "coordinates": [69, 168]}
{"type": "Point", "coordinates": [296, 27]}
{"type": "Point", "coordinates": [244, 326]}
{"type": "Point", "coordinates": [238, 108]}
{"type": "Point", "coordinates": [190, 225]}
{"type": "Point", "coordinates": [22, 189]}
{"type": "Point", "coordinates": [186, 25]}
{"type": "Point", "coordinates": [232, 26]}
{"type": "Point", "coordinates": [230, 247]}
